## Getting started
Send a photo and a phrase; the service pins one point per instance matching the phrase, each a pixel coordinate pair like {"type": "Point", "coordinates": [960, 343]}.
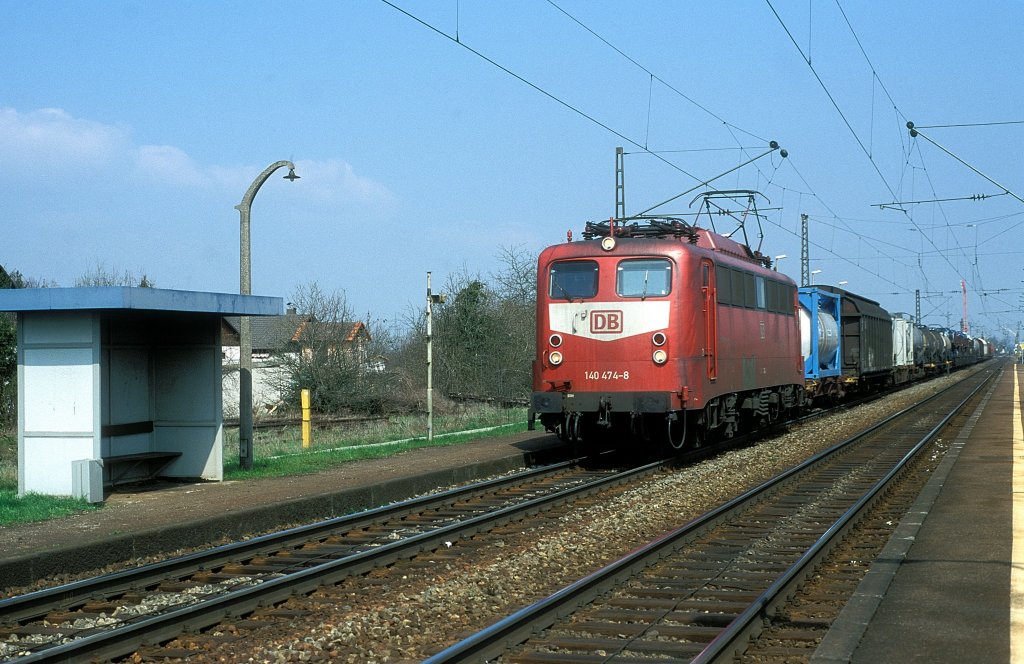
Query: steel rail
{"type": "Point", "coordinates": [734, 639]}
{"type": "Point", "coordinates": [30, 605]}
{"type": "Point", "coordinates": [123, 639]}
{"type": "Point", "coordinates": [494, 640]}
{"type": "Point", "coordinates": [34, 605]}
{"type": "Point", "coordinates": [37, 603]}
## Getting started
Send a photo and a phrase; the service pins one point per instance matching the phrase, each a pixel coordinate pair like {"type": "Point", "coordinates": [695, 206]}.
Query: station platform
{"type": "Point", "coordinates": [944, 588]}
{"type": "Point", "coordinates": [949, 586]}
{"type": "Point", "coordinates": [159, 518]}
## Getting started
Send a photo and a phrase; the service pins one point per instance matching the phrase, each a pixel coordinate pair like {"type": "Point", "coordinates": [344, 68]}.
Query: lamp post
{"type": "Point", "coordinates": [778, 259]}
{"type": "Point", "coordinates": [245, 449]}
{"type": "Point", "coordinates": [813, 272]}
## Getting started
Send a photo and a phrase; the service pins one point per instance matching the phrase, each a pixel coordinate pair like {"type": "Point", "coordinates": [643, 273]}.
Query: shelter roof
{"type": "Point", "coordinates": [109, 298]}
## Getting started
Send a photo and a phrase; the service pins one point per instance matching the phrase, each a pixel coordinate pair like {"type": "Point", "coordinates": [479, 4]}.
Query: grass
{"type": "Point", "coordinates": [8, 459]}
{"type": "Point", "coordinates": [31, 507]}
{"type": "Point", "coordinates": [34, 507]}
{"type": "Point", "coordinates": [279, 452]}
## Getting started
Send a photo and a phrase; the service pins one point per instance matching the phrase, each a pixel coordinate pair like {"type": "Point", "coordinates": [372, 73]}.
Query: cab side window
{"type": "Point", "coordinates": [644, 277]}
{"type": "Point", "coordinates": [572, 280]}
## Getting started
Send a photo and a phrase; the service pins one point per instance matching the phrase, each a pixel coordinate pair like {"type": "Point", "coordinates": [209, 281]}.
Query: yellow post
{"type": "Point", "coordinates": [305, 418]}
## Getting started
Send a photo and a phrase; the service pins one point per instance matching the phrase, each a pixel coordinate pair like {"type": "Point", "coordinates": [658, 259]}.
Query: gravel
{"type": "Point", "coordinates": [407, 612]}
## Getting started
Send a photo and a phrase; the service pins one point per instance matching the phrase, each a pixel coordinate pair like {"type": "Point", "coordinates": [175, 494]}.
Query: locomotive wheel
{"type": "Point", "coordinates": [562, 430]}
{"type": "Point", "coordinates": [577, 449]}
{"type": "Point", "coordinates": [636, 427]}
{"type": "Point", "coordinates": [574, 427]}
{"type": "Point", "coordinates": [700, 432]}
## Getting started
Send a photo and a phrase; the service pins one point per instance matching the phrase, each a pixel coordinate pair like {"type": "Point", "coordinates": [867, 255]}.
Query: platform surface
{"type": "Point", "coordinates": [154, 519]}
{"type": "Point", "coordinates": [942, 589]}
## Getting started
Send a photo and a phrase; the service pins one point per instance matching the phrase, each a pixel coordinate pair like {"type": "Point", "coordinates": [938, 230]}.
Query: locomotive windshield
{"type": "Point", "coordinates": [644, 277]}
{"type": "Point", "coordinates": [573, 280]}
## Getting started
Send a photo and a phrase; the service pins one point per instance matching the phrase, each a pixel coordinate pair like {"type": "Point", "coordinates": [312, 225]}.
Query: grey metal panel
{"type": "Point", "coordinates": [138, 299]}
{"type": "Point", "coordinates": [876, 342]}
{"type": "Point", "coordinates": [592, 402]}
{"type": "Point", "coordinates": [867, 334]}
{"type": "Point", "coordinates": [87, 480]}
{"type": "Point", "coordinates": [83, 371]}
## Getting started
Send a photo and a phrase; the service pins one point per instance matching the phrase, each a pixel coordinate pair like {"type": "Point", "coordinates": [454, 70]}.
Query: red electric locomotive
{"type": "Point", "coordinates": [664, 331]}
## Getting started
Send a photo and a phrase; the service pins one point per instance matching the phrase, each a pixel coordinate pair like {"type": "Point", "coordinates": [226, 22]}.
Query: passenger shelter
{"type": "Point", "coordinates": [117, 384]}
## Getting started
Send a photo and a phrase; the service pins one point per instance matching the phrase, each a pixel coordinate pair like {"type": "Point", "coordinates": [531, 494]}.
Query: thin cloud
{"type": "Point", "coordinates": [52, 140]}
{"type": "Point", "coordinates": [329, 184]}
{"type": "Point", "coordinates": [336, 181]}
{"type": "Point", "coordinates": [167, 163]}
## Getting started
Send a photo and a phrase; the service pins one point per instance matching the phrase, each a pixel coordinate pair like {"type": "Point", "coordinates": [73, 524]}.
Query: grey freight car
{"type": "Point", "coordinates": [866, 333]}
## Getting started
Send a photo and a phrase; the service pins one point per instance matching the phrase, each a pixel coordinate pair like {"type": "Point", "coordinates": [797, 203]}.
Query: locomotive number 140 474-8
{"type": "Point", "coordinates": [606, 375]}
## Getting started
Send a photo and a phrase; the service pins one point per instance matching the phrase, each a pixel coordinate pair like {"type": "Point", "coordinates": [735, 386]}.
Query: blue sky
{"type": "Point", "coordinates": [130, 130]}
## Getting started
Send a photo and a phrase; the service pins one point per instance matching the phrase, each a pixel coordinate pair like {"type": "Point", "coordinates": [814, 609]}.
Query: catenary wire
{"type": "Point", "coordinates": [539, 89]}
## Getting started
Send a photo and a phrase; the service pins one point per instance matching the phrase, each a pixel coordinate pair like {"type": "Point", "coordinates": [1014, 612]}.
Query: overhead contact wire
{"type": "Point", "coordinates": [541, 90]}
{"type": "Point", "coordinates": [653, 76]}
{"type": "Point", "coordinates": [832, 99]}
{"type": "Point", "coordinates": [849, 126]}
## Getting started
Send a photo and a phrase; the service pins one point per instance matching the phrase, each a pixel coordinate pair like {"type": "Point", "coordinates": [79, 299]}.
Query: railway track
{"type": "Point", "coordinates": [114, 614]}
{"type": "Point", "coordinates": [701, 592]}
{"type": "Point", "coordinates": [183, 596]}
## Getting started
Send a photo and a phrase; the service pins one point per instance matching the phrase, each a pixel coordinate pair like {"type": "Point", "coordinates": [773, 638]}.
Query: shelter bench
{"type": "Point", "coordinates": [123, 466]}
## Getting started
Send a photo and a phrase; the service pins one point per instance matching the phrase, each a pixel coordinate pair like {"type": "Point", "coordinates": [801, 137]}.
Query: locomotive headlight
{"type": "Point", "coordinates": [555, 340]}
{"type": "Point", "coordinates": [660, 356]}
{"type": "Point", "coordinates": [555, 357]}
{"type": "Point", "coordinates": [659, 339]}
{"type": "Point", "coordinates": [608, 243]}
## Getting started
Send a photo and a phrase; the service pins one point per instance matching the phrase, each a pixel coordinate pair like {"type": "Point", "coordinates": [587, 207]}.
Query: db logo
{"type": "Point", "coordinates": [605, 322]}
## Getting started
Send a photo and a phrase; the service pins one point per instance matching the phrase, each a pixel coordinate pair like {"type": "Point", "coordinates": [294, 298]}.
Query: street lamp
{"type": "Point", "coordinates": [777, 259]}
{"type": "Point", "coordinates": [814, 272]}
{"type": "Point", "coordinates": [245, 449]}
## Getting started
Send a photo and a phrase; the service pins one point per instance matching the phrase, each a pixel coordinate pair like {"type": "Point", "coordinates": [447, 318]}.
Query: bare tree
{"type": "Point", "coordinates": [484, 335]}
{"type": "Point", "coordinates": [334, 355]}
{"type": "Point", "coordinates": [517, 282]}
{"type": "Point", "coordinates": [101, 276]}
{"type": "Point", "coordinates": [517, 290]}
